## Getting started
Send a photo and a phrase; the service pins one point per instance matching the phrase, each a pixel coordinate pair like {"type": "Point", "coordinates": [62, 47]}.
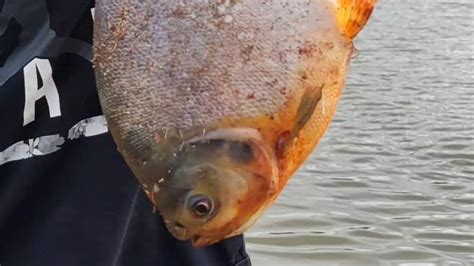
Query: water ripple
{"type": "Point", "coordinates": [392, 183]}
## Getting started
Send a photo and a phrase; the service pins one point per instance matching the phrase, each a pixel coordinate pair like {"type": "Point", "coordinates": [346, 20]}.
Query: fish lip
{"type": "Point", "coordinates": [197, 241]}
{"type": "Point", "coordinates": [178, 230]}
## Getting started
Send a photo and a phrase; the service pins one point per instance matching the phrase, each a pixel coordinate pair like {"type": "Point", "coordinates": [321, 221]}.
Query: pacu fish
{"type": "Point", "coordinates": [214, 104]}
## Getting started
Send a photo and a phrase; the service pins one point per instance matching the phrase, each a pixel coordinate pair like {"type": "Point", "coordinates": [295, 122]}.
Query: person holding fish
{"type": "Point", "coordinates": [213, 105]}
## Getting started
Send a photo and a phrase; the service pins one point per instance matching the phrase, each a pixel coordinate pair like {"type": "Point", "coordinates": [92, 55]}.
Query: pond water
{"type": "Point", "coordinates": [392, 182]}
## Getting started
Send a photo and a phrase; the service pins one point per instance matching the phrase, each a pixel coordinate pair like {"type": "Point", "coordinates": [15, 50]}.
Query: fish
{"type": "Point", "coordinates": [215, 104]}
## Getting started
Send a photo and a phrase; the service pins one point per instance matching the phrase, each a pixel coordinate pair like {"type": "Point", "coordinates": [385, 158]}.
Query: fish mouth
{"type": "Point", "coordinates": [182, 233]}
{"type": "Point", "coordinates": [178, 230]}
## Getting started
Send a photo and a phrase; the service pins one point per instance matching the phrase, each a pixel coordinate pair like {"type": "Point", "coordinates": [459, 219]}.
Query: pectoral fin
{"type": "Point", "coordinates": [308, 104]}
{"type": "Point", "coordinates": [306, 109]}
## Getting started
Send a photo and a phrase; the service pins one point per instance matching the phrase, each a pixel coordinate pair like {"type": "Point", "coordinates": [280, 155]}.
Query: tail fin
{"type": "Point", "coordinates": [352, 15]}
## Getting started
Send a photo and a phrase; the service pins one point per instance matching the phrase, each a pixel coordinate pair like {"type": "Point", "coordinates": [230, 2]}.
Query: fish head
{"type": "Point", "coordinates": [215, 185]}
{"type": "Point", "coordinates": [215, 104]}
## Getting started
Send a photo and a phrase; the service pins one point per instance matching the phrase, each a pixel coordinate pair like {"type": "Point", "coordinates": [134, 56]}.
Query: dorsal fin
{"type": "Point", "coordinates": [352, 15]}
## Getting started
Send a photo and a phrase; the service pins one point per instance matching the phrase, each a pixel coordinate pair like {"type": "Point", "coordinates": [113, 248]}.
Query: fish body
{"type": "Point", "coordinates": [215, 104]}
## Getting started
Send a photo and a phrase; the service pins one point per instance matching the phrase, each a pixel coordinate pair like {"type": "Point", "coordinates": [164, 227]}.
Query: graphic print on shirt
{"type": "Point", "coordinates": [30, 45]}
{"type": "Point", "coordinates": [33, 92]}
{"type": "Point", "coordinates": [49, 144]}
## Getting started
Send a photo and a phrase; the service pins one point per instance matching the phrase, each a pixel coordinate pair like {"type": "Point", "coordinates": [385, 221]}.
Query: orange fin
{"type": "Point", "coordinates": [352, 15]}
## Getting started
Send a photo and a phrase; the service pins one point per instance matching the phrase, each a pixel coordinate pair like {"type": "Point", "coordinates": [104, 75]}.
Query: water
{"type": "Point", "coordinates": [392, 183]}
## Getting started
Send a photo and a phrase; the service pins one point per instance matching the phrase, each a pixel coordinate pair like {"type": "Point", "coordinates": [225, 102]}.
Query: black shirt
{"type": "Point", "coordinates": [66, 196]}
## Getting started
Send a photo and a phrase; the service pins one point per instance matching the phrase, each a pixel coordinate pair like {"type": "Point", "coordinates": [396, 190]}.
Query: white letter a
{"type": "Point", "coordinates": [33, 93]}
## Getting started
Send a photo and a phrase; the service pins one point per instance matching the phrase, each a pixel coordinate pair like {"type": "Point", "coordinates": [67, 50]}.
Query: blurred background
{"type": "Point", "coordinates": [392, 182]}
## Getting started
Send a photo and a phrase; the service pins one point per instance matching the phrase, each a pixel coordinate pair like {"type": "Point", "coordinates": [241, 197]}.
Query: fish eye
{"type": "Point", "coordinates": [201, 206]}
